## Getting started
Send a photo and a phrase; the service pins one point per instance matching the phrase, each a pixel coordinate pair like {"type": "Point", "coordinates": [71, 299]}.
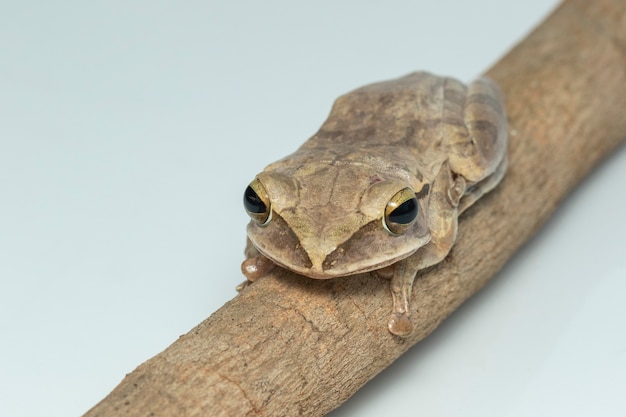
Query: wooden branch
{"type": "Point", "coordinates": [289, 345]}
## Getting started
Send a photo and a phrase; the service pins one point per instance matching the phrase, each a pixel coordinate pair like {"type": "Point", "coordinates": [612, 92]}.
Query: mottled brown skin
{"type": "Point", "coordinates": [444, 140]}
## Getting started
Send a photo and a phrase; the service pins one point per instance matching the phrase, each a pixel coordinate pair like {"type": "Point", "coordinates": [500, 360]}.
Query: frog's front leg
{"type": "Point", "coordinates": [443, 206]}
{"type": "Point", "coordinates": [254, 266]}
{"type": "Point", "coordinates": [404, 273]}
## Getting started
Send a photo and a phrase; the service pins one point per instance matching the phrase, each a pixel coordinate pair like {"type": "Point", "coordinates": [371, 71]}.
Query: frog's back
{"type": "Point", "coordinates": [424, 117]}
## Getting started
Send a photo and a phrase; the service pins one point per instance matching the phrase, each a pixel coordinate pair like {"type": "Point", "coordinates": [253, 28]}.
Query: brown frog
{"type": "Point", "coordinates": [381, 185]}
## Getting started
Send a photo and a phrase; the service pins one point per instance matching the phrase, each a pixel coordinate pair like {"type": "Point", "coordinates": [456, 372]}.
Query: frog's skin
{"type": "Point", "coordinates": [321, 211]}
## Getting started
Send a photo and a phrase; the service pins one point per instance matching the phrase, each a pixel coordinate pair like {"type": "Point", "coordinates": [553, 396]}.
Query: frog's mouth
{"type": "Point", "coordinates": [367, 250]}
{"type": "Point", "coordinates": [327, 270]}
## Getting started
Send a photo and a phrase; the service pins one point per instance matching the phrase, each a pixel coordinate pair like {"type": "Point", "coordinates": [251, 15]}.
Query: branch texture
{"type": "Point", "coordinates": [290, 346]}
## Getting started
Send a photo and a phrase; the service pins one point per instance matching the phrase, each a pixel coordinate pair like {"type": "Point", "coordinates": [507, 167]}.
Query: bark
{"type": "Point", "coordinates": [289, 345]}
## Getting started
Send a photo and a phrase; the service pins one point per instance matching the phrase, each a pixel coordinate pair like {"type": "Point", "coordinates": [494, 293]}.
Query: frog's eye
{"type": "Point", "coordinates": [401, 212]}
{"type": "Point", "coordinates": [257, 203]}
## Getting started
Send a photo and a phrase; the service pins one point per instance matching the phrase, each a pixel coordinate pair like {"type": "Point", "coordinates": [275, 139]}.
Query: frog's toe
{"type": "Point", "coordinates": [400, 324]}
{"type": "Point", "coordinates": [256, 267]}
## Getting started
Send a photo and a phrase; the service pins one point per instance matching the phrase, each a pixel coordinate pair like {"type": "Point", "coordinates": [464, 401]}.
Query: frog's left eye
{"type": "Point", "coordinates": [401, 212]}
{"type": "Point", "coordinates": [257, 203]}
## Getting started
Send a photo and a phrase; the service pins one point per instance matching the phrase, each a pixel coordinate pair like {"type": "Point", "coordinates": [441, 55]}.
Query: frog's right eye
{"type": "Point", "coordinates": [257, 203]}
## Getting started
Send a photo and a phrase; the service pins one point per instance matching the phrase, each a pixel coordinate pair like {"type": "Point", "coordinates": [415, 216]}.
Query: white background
{"type": "Point", "coordinates": [128, 131]}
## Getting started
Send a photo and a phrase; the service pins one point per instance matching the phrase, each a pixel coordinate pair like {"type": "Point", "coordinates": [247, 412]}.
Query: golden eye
{"type": "Point", "coordinates": [257, 203]}
{"type": "Point", "coordinates": [401, 212]}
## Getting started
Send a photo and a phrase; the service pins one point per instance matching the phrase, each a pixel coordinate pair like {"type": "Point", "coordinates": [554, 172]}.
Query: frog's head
{"type": "Point", "coordinates": [326, 220]}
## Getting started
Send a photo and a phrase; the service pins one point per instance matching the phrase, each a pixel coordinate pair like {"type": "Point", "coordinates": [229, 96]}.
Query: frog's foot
{"type": "Point", "coordinates": [474, 192]}
{"type": "Point", "coordinates": [254, 268]}
{"type": "Point", "coordinates": [400, 324]}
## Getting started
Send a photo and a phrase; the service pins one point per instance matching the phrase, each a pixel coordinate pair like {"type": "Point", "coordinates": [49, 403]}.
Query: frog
{"type": "Point", "coordinates": [379, 188]}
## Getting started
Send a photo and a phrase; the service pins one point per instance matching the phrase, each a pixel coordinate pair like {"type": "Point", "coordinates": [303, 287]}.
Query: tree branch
{"type": "Point", "coordinates": [289, 345]}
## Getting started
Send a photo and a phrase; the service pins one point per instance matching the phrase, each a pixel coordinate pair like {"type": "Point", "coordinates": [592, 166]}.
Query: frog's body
{"type": "Point", "coordinates": [329, 204]}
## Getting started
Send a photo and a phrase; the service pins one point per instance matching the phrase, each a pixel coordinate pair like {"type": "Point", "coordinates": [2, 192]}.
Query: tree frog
{"type": "Point", "coordinates": [380, 186]}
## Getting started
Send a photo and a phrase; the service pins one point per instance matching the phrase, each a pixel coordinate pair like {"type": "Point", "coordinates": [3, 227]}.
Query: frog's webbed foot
{"type": "Point", "coordinates": [401, 284]}
{"type": "Point", "coordinates": [254, 266]}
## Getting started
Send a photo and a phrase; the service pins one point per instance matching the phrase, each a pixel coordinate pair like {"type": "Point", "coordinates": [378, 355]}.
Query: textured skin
{"type": "Point", "coordinates": [445, 140]}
